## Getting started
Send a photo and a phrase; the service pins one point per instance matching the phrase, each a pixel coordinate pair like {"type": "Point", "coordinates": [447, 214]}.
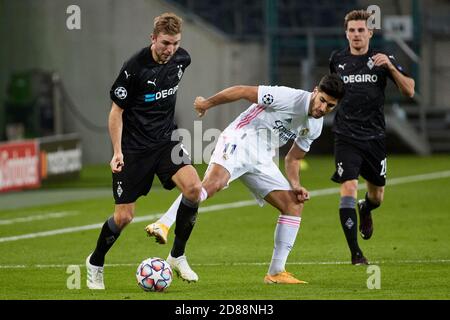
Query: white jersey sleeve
{"type": "Point", "coordinates": [278, 98]}
{"type": "Point", "coordinates": [305, 139]}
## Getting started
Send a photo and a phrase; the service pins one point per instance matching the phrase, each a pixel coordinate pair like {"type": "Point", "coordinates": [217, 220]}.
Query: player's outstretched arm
{"type": "Point", "coordinates": [227, 95]}
{"type": "Point", "coordinates": [292, 167]}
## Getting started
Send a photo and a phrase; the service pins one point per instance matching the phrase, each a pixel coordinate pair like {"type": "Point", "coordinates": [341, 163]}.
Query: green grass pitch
{"type": "Point", "coordinates": [231, 248]}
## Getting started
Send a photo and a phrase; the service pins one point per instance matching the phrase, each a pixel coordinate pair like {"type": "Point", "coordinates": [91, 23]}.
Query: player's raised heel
{"type": "Point", "coordinates": [365, 220]}
{"type": "Point", "coordinates": [159, 231]}
{"type": "Point", "coordinates": [181, 267]}
{"type": "Point", "coordinates": [282, 278]}
{"type": "Point", "coordinates": [94, 276]}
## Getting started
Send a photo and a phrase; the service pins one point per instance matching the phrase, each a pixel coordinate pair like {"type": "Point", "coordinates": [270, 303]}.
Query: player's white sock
{"type": "Point", "coordinates": [171, 215]}
{"type": "Point", "coordinates": [285, 234]}
{"type": "Point", "coordinates": [203, 195]}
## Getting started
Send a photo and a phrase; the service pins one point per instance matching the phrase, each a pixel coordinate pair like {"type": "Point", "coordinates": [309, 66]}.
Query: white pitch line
{"type": "Point", "coordinates": [51, 215]}
{"type": "Point", "coordinates": [315, 263]}
{"type": "Point", "coordinates": [238, 204]}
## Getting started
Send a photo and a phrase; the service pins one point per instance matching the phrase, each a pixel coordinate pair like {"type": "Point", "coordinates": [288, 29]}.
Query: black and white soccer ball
{"type": "Point", "coordinates": [267, 99]}
{"type": "Point", "coordinates": [120, 93]}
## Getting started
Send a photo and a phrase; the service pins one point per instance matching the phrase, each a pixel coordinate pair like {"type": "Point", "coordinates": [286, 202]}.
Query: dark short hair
{"type": "Point", "coordinates": [332, 85]}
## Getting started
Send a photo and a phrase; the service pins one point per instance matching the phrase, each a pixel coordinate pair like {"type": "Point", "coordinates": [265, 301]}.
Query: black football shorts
{"type": "Point", "coordinates": [357, 157]}
{"type": "Point", "coordinates": [139, 169]}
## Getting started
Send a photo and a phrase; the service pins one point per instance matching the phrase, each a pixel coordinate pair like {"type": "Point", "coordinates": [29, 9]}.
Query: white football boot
{"type": "Point", "coordinates": [94, 276]}
{"type": "Point", "coordinates": [181, 267]}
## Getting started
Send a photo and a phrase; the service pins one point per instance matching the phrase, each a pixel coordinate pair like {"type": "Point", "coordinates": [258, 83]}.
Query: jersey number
{"type": "Point", "coordinates": [228, 150]}
{"type": "Point", "coordinates": [383, 167]}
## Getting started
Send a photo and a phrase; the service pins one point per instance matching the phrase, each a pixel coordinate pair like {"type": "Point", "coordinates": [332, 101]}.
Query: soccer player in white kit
{"type": "Point", "coordinates": [245, 151]}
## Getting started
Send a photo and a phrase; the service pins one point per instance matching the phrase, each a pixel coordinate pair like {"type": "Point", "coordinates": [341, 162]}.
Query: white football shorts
{"type": "Point", "coordinates": [250, 160]}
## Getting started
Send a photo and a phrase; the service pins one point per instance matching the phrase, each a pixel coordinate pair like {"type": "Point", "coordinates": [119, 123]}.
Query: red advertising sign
{"type": "Point", "coordinates": [19, 165]}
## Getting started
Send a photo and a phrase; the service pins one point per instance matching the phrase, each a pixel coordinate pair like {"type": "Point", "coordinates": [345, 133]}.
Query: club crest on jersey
{"type": "Point", "coordinates": [180, 72]}
{"type": "Point", "coordinates": [370, 63]}
{"type": "Point", "coordinates": [304, 132]}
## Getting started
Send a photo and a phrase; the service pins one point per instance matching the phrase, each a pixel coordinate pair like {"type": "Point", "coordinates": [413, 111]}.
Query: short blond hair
{"type": "Point", "coordinates": [167, 23]}
{"type": "Point", "coordinates": [356, 15]}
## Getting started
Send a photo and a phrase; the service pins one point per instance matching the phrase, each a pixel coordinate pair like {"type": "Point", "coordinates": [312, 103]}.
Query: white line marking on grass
{"type": "Point", "coordinates": [238, 204]}
{"type": "Point", "coordinates": [314, 263]}
{"type": "Point", "coordinates": [68, 230]}
{"type": "Point", "coordinates": [51, 215]}
{"type": "Point", "coordinates": [217, 207]}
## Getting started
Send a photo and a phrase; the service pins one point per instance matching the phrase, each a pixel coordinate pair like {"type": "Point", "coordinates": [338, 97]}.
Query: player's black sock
{"type": "Point", "coordinates": [349, 224]}
{"type": "Point", "coordinates": [369, 204]}
{"type": "Point", "coordinates": [186, 217]}
{"type": "Point", "coordinates": [109, 234]}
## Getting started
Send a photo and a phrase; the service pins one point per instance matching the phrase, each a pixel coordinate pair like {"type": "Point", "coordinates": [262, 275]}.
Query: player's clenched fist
{"type": "Point", "coordinates": [200, 106]}
{"type": "Point", "coordinates": [301, 193]}
{"type": "Point", "coordinates": [116, 163]}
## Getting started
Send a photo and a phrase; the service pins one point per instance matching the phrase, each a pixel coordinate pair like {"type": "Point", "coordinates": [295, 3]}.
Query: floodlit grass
{"type": "Point", "coordinates": [231, 248]}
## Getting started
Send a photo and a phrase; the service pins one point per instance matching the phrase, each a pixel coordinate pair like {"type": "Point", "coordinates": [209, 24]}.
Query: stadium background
{"type": "Point", "coordinates": [231, 42]}
{"type": "Point", "coordinates": [55, 81]}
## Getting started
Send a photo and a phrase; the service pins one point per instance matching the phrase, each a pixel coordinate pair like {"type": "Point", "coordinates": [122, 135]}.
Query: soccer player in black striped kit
{"type": "Point", "coordinates": [141, 123]}
{"type": "Point", "coordinates": [359, 126]}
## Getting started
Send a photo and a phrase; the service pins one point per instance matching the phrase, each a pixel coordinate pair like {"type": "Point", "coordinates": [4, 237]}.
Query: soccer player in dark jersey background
{"type": "Point", "coordinates": [359, 126]}
{"type": "Point", "coordinates": [141, 123]}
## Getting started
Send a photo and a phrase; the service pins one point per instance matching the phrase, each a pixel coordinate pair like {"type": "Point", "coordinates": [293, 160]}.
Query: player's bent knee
{"type": "Point", "coordinates": [123, 220]}
{"type": "Point", "coordinates": [123, 215]}
{"type": "Point", "coordinates": [212, 186]}
{"type": "Point", "coordinates": [192, 191]}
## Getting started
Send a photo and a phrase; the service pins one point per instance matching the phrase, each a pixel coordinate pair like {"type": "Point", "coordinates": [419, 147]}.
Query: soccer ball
{"type": "Point", "coordinates": [154, 274]}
